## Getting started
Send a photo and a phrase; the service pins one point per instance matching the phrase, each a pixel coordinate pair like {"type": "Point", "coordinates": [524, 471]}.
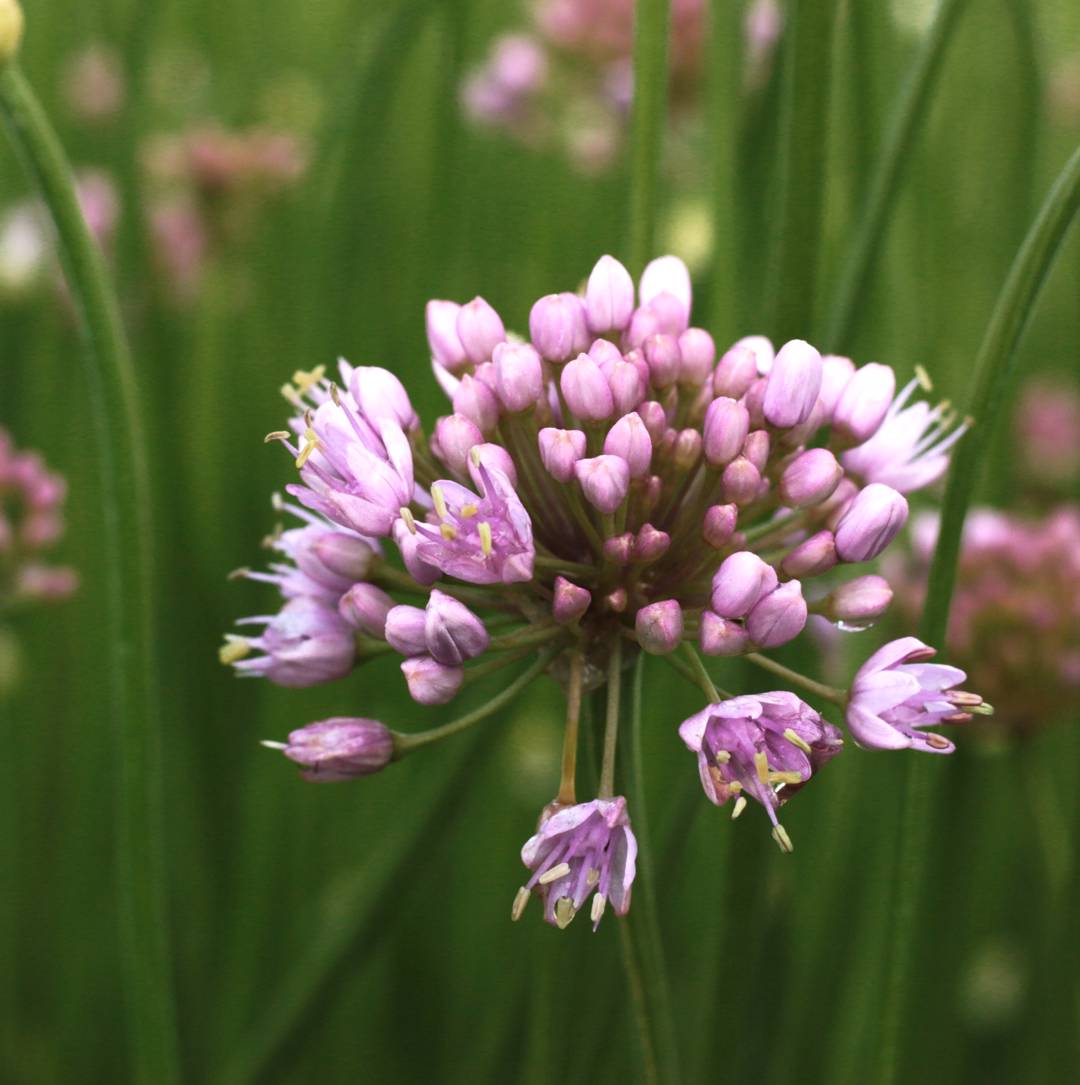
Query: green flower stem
{"type": "Point", "coordinates": [911, 108]}
{"type": "Point", "coordinates": [568, 777]}
{"type": "Point", "coordinates": [636, 986]}
{"type": "Point", "coordinates": [611, 725]}
{"type": "Point", "coordinates": [526, 637]}
{"type": "Point", "coordinates": [126, 555]}
{"type": "Point", "coordinates": [561, 565]}
{"type": "Point", "coordinates": [700, 675]}
{"type": "Point", "coordinates": [405, 744]}
{"type": "Point", "coordinates": [647, 124]}
{"type": "Point", "coordinates": [386, 576]}
{"type": "Point", "coordinates": [828, 693]}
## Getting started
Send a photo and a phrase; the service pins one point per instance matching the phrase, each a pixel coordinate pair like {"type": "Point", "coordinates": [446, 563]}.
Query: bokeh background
{"type": "Point", "coordinates": [361, 932]}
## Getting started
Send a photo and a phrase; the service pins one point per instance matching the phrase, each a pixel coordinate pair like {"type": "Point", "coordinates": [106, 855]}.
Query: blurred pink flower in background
{"type": "Point", "coordinates": [1048, 432]}
{"type": "Point", "coordinates": [93, 84]}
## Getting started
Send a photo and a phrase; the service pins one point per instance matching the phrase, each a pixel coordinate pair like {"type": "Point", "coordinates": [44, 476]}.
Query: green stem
{"type": "Point", "coordinates": [126, 555]}
{"type": "Point", "coordinates": [828, 693]}
{"type": "Point", "coordinates": [636, 986]}
{"type": "Point", "coordinates": [561, 565]}
{"type": "Point", "coordinates": [405, 744]}
{"type": "Point", "coordinates": [700, 674]}
{"type": "Point", "coordinates": [808, 37]}
{"type": "Point", "coordinates": [911, 108]}
{"type": "Point", "coordinates": [647, 124]}
{"type": "Point", "coordinates": [568, 776]}
{"type": "Point", "coordinates": [611, 725]}
{"type": "Point", "coordinates": [1014, 307]}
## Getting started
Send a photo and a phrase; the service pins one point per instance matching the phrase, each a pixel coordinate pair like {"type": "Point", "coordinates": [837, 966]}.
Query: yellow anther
{"type": "Point", "coordinates": [448, 532]}
{"type": "Point", "coordinates": [564, 912]}
{"type": "Point", "coordinates": [779, 834]}
{"type": "Point", "coordinates": [407, 516]}
{"type": "Point", "coordinates": [292, 395]}
{"type": "Point", "coordinates": [305, 380]}
{"type": "Point", "coordinates": [521, 898]}
{"type": "Point", "coordinates": [785, 778]}
{"type": "Point", "coordinates": [924, 379]}
{"type": "Point", "coordinates": [734, 787]}
{"type": "Point", "coordinates": [469, 511]}
{"type": "Point", "coordinates": [761, 764]}
{"type": "Point", "coordinates": [335, 394]}
{"type": "Point", "coordinates": [739, 807]}
{"type": "Point", "coordinates": [311, 439]}
{"type": "Point", "coordinates": [277, 435]}
{"type": "Point", "coordinates": [592, 877]}
{"type": "Point", "coordinates": [440, 501]}
{"type": "Point", "coordinates": [599, 903]}
{"type": "Point", "coordinates": [795, 740]}
{"type": "Point", "coordinates": [277, 502]}
{"type": "Point", "coordinates": [474, 455]}
{"type": "Point", "coordinates": [554, 874]}
{"type": "Point", "coordinates": [484, 529]}
{"type": "Point", "coordinates": [722, 757]}
{"type": "Point", "coordinates": [234, 648]}
{"type": "Point", "coordinates": [238, 574]}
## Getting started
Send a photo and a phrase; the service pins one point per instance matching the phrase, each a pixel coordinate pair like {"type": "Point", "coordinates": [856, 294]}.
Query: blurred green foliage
{"type": "Point", "coordinates": [361, 933]}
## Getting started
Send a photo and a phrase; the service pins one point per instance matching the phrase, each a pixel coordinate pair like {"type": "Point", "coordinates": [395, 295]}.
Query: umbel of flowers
{"type": "Point", "coordinates": [605, 487]}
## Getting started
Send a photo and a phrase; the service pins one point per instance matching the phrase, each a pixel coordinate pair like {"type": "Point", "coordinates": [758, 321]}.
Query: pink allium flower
{"type": "Point", "coordinates": [93, 84]}
{"type": "Point", "coordinates": [1048, 433]}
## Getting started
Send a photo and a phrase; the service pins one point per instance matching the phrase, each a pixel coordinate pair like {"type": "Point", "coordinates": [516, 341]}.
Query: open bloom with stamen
{"type": "Point", "coordinates": [581, 851]}
{"type": "Point", "coordinates": [897, 693]}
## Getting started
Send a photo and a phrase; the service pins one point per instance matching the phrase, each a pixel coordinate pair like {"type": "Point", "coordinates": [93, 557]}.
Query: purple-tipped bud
{"type": "Point", "coordinates": [474, 400]}
{"type": "Point", "coordinates": [779, 617]}
{"type": "Point", "coordinates": [491, 458]}
{"type": "Point", "coordinates": [861, 600]}
{"type": "Point", "coordinates": [687, 449]}
{"type": "Point", "coordinates": [659, 627]}
{"type": "Point", "coordinates": [756, 448]}
{"type": "Point", "coordinates": [557, 326]}
{"type": "Point", "coordinates": [609, 296]}
{"type": "Point", "coordinates": [864, 402]}
{"type": "Point", "coordinates": [735, 372]}
{"type": "Point", "coordinates": [604, 480]}
{"type": "Point", "coordinates": [560, 449]}
{"type": "Point", "coordinates": [630, 439]}
{"type": "Point", "coordinates": [738, 584]}
{"type": "Point", "coordinates": [619, 549]}
{"type": "Point", "coordinates": [570, 602]}
{"type": "Point", "coordinates": [793, 385]}
{"type": "Point", "coordinates": [365, 608]}
{"type": "Point", "coordinates": [586, 390]}
{"type": "Point", "coordinates": [836, 371]}
{"type": "Point", "coordinates": [653, 415]}
{"type": "Point", "coordinates": [441, 320]}
{"type": "Point", "coordinates": [340, 748]}
{"type": "Point", "coordinates": [519, 376]}
{"type": "Point", "coordinates": [726, 426]}
{"type": "Point", "coordinates": [719, 525]}
{"type": "Point", "coordinates": [812, 557]}
{"type": "Point", "coordinates": [405, 630]}
{"type": "Point", "coordinates": [453, 633]}
{"type": "Point", "coordinates": [626, 383]}
{"type": "Point", "coordinates": [721, 636]}
{"type": "Point", "coordinates": [480, 330]}
{"type": "Point", "coordinates": [344, 555]}
{"type": "Point", "coordinates": [741, 482]}
{"type": "Point", "coordinates": [431, 682]}
{"type": "Point", "coordinates": [663, 359]}
{"type": "Point", "coordinates": [666, 275]}
{"type": "Point", "coordinates": [870, 523]}
{"type": "Point", "coordinates": [454, 436]}
{"type": "Point", "coordinates": [698, 353]}
{"type": "Point", "coordinates": [810, 478]}
{"type": "Point", "coordinates": [650, 544]}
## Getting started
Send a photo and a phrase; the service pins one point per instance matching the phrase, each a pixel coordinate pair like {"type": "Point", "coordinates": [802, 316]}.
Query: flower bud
{"type": "Point", "coordinates": [659, 627]}
{"type": "Point", "coordinates": [365, 607]}
{"type": "Point", "coordinates": [671, 317]}
{"type": "Point", "coordinates": [405, 630]}
{"type": "Point", "coordinates": [452, 631]}
{"type": "Point", "coordinates": [741, 482]}
{"type": "Point", "coordinates": [605, 353]}
{"type": "Point", "coordinates": [609, 296]}
{"type": "Point", "coordinates": [810, 478]}
{"type": "Point", "coordinates": [735, 372]}
{"type": "Point", "coordinates": [586, 390]}
{"type": "Point", "coordinates": [756, 448]}
{"type": "Point", "coordinates": [863, 599]}
{"type": "Point", "coordinates": [519, 376]}
{"type": "Point", "coordinates": [441, 320]}
{"type": "Point", "coordinates": [474, 400]}
{"type": "Point", "coordinates": [643, 323]}
{"type": "Point", "coordinates": [726, 426]}
{"type": "Point", "coordinates": [617, 600]}
{"type": "Point", "coordinates": [604, 480]}
{"type": "Point", "coordinates": [722, 637]}
{"type": "Point", "coordinates": [836, 371]}
{"type": "Point", "coordinates": [557, 326]}
{"type": "Point", "coordinates": [480, 330]}
{"type": "Point", "coordinates": [870, 523]}
{"type": "Point", "coordinates": [560, 449]}
{"type": "Point", "coordinates": [382, 396]}
{"type": "Point", "coordinates": [650, 493]}
{"type": "Point", "coordinates": [650, 544]}
{"type": "Point", "coordinates": [653, 415]}
{"type": "Point", "coordinates": [812, 557]}
{"type": "Point", "coordinates": [619, 549]}
{"type": "Point", "coordinates": [719, 525]}
{"type": "Point", "coordinates": [687, 449]}
{"type": "Point", "coordinates": [11, 29]}
{"type": "Point", "coordinates": [793, 385]}
{"type": "Point", "coordinates": [864, 402]}
{"type": "Point", "coordinates": [454, 436]}
{"type": "Point", "coordinates": [742, 579]}
{"type": "Point", "coordinates": [491, 458]}
{"type": "Point", "coordinates": [754, 401]}
{"type": "Point", "coordinates": [340, 748]}
{"type": "Point", "coordinates": [779, 617]}
{"type": "Point", "coordinates": [630, 439]}
{"type": "Point", "coordinates": [343, 554]}
{"type": "Point", "coordinates": [698, 353]}
{"type": "Point", "coordinates": [626, 383]}
{"type": "Point", "coordinates": [663, 359]}
{"type": "Point", "coordinates": [666, 275]}
{"type": "Point", "coordinates": [431, 682]}
{"type": "Point", "coordinates": [570, 602]}
{"type": "Point", "coordinates": [762, 349]}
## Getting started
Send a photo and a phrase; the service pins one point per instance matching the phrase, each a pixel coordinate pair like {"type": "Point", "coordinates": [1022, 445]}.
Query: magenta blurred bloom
{"type": "Point", "coordinates": [609, 297]}
{"type": "Point", "coordinates": [778, 617]}
{"type": "Point", "coordinates": [793, 385]}
{"type": "Point", "coordinates": [605, 481]}
{"type": "Point", "coordinates": [341, 748]}
{"type": "Point", "coordinates": [872, 520]}
{"type": "Point", "coordinates": [431, 682]}
{"type": "Point", "coordinates": [659, 627]}
{"type": "Point", "coordinates": [897, 693]}
{"type": "Point", "coordinates": [581, 851]}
